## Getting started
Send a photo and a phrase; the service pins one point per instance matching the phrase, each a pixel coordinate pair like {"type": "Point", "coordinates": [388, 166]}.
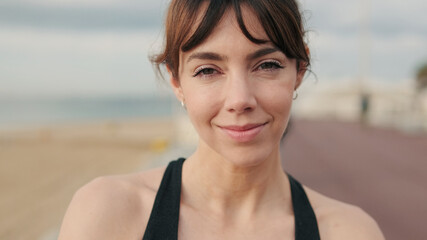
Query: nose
{"type": "Point", "coordinates": [240, 95]}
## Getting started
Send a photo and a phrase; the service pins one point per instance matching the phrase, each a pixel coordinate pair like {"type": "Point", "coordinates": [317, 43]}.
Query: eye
{"type": "Point", "coordinates": [205, 71]}
{"type": "Point", "coordinates": [270, 65]}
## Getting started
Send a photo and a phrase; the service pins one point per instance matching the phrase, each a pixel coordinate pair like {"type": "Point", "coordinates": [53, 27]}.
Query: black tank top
{"type": "Point", "coordinates": [163, 222]}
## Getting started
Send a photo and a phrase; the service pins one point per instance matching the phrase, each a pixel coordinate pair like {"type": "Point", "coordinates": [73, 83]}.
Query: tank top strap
{"type": "Point", "coordinates": [163, 221]}
{"type": "Point", "coordinates": [164, 218]}
{"type": "Point", "coordinates": [305, 219]}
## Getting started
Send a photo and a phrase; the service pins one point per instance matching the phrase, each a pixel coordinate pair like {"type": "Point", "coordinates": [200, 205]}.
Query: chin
{"type": "Point", "coordinates": [247, 156]}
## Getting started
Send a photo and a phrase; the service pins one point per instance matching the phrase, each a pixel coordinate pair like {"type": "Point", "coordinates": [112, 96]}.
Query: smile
{"type": "Point", "coordinates": [245, 133]}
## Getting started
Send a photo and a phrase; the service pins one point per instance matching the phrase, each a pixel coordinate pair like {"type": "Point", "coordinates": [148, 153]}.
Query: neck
{"type": "Point", "coordinates": [230, 190]}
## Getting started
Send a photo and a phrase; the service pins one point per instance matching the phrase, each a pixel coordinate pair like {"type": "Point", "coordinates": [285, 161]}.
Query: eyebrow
{"type": "Point", "coordinates": [206, 56]}
{"type": "Point", "coordinates": [262, 52]}
{"type": "Point", "coordinates": [217, 57]}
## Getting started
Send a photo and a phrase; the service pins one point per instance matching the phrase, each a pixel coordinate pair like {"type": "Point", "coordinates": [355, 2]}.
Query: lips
{"type": "Point", "coordinates": [243, 133]}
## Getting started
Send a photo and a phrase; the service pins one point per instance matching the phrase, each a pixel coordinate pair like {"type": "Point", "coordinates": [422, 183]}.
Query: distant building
{"type": "Point", "coordinates": [395, 106]}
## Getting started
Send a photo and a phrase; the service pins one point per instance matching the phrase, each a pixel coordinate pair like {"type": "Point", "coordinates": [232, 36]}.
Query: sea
{"type": "Point", "coordinates": [45, 111]}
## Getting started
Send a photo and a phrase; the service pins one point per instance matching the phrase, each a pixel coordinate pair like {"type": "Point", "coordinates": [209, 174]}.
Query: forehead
{"type": "Point", "coordinates": [229, 26]}
{"type": "Point", "coordinates": [249, 16]}
{"type": "Point", "coordinates": [250, 21]}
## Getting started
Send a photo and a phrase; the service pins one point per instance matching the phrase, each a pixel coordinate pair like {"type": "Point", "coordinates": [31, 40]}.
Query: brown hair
{"type": "Point", "coordinates": [281, 20]}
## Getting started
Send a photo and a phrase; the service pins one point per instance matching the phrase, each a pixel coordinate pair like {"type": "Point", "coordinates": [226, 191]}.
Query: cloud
{"type": "Point", "coordinates": [146, 4]}
{"type": "Point", "coordinates": [63, 63]}
{"type": "Point", "coordinates": [101, 46]}
{"type": "Point", "coordinates": [92, 3]}
{"type": "Point", "coordinates": [397, 38]}
{"type": "Point", "coordinates": [388, 18]}
{"type": "Point", "coordinates": [82, 15]}
{"type": "Point", "coordinates": [28, 39]}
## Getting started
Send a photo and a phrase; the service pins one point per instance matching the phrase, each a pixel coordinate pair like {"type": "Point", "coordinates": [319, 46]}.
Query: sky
{"type": "Point", "coordinates": [101, 47]}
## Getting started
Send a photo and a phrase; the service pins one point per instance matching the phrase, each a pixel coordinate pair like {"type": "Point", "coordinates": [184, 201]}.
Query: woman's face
{"type": "Point", "coordinates": [238, 94]}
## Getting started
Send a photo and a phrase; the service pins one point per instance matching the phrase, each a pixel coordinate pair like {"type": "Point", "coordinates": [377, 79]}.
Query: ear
{"type": "Point", "coordinates": [176, 85]}
{"type": "Point", "coordinates": [302, 68]}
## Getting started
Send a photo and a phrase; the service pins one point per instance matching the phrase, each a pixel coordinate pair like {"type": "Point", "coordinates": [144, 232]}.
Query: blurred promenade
{"type": "Point", "coordinates": [41, 168]}
{"type": "Point", "coordinates": [383, 171]}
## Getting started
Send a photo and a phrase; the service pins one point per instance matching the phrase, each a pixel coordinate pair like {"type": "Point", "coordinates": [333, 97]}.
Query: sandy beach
{"type": "Point", "coordinates": [41, 168]}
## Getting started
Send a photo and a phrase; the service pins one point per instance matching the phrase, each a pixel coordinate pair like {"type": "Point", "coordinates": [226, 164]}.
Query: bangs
{"type": "Point", "coordinates": [213, 14]}
{"type": "Point", "coordinates": [280, 19]}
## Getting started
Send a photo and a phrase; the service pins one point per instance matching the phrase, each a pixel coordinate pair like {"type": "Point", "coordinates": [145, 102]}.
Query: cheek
{"type": "Point", "coordinates": [201, 105]}
{"type": "Point", "coordinates": [278, 99]}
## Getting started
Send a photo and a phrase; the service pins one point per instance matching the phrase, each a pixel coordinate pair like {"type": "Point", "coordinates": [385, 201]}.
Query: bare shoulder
{"type": "Point", "coordinates": [338, 220]}
{"type": "Point", "coordinates": [112, 207]}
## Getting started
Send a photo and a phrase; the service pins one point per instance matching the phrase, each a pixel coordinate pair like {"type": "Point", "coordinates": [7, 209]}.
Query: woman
{"type": "Point", "coordinates": [234, 65]}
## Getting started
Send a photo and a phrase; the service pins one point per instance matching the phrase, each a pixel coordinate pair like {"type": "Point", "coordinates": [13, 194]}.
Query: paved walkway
{"type": "Point", "coordinates": [382, 171]}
